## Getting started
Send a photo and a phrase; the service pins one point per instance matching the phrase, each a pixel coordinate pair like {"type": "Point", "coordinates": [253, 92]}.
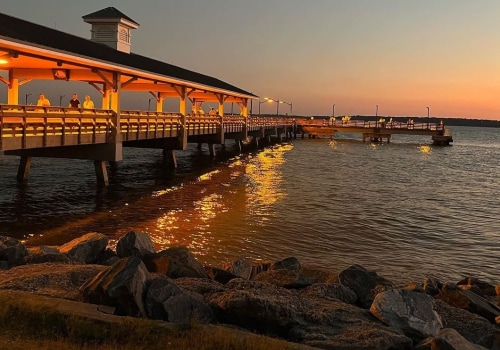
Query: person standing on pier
{"type": "Point", "coordinates": [74, 102]}
{"type": "Point", "coordinates": [43, 101]}
{"type": "Point", "coordinates": [88, 103]}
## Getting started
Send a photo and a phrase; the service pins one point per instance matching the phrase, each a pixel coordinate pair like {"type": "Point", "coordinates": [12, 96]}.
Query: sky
{"type": "Point", "coordinates": [400, 55]}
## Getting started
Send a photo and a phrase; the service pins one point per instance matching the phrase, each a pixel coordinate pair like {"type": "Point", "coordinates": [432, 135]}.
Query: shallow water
{"type": "Point", "coordinates": [406, 209]}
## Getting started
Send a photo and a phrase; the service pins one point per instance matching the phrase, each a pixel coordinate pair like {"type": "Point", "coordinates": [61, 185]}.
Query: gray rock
{"type": "Point", "coordinates": [410, 312]}
{"type": "Point", "coordinates": [87, 248]}
{"type": "Point", "coordinates": [12, 250]}
{"type": "Point", "coordinates": [166, 301]}
{"type": "Point", "coordinates": [245, 268]}
{"type": "Point", "coordinates": [474, 328]}
{"type": "Point", "coordinates": [467, 300]}
{"type": "Point", "coordinates": [175, 262]}
{"type": "Point", "coordinates": [134, 244]}
{"type": "Point", "coordinates": [200, 285]}
{"type": "Point", "coordinates": [450, 339]}
{"type": "Point", "coordinates": [366, 284]}
{"type": "Point", "coordinates": [122, 285]}
{"type": "Point", "coordinates": [290, 263]}
{"type": "Point", "coordinates": [328, 324]}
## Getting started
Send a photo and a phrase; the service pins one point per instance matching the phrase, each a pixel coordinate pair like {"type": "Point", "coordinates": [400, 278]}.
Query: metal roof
{"type": "Point", "coordinates": [37, 35]}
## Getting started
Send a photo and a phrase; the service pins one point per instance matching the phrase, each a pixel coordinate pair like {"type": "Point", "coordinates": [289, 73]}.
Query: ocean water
{"type": "Point", "coordinates": [407, 210]}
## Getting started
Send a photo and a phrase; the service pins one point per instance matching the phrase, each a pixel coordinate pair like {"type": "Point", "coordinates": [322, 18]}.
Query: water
{"type": "Point", "coordinates": [406, 209]}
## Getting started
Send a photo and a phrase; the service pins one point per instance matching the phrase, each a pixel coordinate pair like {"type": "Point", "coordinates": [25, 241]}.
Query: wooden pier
{"type": "Point", "coordinates": [374, 131]}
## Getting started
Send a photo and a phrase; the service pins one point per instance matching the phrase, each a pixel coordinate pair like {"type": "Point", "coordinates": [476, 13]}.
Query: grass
{"type": "Point", "coordinates": [28, 325]}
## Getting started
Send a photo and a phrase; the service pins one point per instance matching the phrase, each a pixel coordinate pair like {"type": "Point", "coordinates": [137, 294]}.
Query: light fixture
{"type": "Point", "coordinates": [60, 74]}
{"type": "Point", "coordinates": [6, 58]}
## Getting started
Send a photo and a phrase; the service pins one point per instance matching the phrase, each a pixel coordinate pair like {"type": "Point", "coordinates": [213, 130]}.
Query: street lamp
{"type": "Point", "coordinates": [376, 111]}
{"type": "Point", "coordinates": [333, 110]}
{"type": "Point", "coordinates": [427, 117]}
{"type": "Point", "coordinates": [290, 104]}
{"type": "Point", "coordinates": [149, 103]}
{"type": "Point", "coordinates": [26, 100]}
{"type": "Point", "coordinates": [265, 100]}
{"type": "Point", "coordinates": [60, 99]}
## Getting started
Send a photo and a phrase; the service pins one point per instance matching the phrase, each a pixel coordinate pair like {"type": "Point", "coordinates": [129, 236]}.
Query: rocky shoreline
{"type": "Point", "coordinates": [351, 309]}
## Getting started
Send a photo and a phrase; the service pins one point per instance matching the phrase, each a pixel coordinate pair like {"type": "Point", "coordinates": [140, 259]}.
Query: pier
{"type": "Point", "coordinates": [375, 131]}
{"type": "Point", "coordinates": [30, 52]}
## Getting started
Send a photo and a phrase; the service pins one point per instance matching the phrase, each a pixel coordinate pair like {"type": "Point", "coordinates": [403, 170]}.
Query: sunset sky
{"type": "Point", "coordinates": [401, 55]}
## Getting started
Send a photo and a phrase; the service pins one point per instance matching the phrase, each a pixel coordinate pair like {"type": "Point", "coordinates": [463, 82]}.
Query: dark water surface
{"type": "Point", "coordinates": [407, 210]}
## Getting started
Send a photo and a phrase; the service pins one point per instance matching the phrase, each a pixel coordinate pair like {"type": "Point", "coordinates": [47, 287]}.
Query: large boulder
{"type": "Point", "coordinates": [472, 327]}
{"type": "Point", "coordinates": [408, 311]}
{"type": "Point", "coordinates": [290, 263]}
{"type": "Point", "coordinates": [175, 262]}
{"type": "Point", "coordinates": [246, 268]}
{"type": "Point", "coordinates": [366, 284]}
{"type": "Point", "coordinates": [122, 285]}
{"type": "Point", "coordinates": [467, 300]}
{"type": "Point", "coordinates": [86, 249]}
{"type": "Point", "coordinates": [134, 244]}
{"type": "Point", "coordinates": [313, 321]}
{"type": "Point", "coordinates": [12, 251]}
{"type": "Point", "coordinates": [450, 339]}
{"type": "Point", "coordinates": [166, 301]}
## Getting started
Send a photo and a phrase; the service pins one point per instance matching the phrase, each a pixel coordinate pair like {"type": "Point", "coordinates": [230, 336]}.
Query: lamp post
{"type": "Point", "coordinates": [427, 117]}
{"type": "Point", "coordinates": [265, 100]}
{"type": "Point", "coordinates": [26, 99]}
{"type": "Point", "coordinates": [376, 111]}
{"type": "Point", "coordinates": [333, 110]}
{"type": "Point", "coordinates": [60, 99]}
{"type": "Point", "coordinates": [149, 103]}
{"type": "Point", "coordinates": [290, 104]}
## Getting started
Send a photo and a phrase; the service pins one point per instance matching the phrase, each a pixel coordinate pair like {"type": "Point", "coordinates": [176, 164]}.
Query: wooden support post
{"type": "Point", "coordinates": [23, 171]}
{"type": "Point", "coordinates": [101, 172]}
{"type": "Point", "coordinates": [211, 149]}
{"type": "Point", "coordinates": [239, 144]}
{"type": "Point", "coordinates": [169, 153]}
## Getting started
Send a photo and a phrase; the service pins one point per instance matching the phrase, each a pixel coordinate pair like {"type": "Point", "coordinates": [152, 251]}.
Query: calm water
{"type": "Point", "coordinates": [406, 210]}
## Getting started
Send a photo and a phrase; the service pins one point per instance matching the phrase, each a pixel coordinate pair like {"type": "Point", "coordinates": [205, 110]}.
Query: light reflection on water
{"type": "Point", "coordinates": [406, 209]}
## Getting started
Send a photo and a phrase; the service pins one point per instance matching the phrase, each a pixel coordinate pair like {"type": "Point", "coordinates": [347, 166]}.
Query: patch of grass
{"type": "Point", "coordinates": [27, 325]}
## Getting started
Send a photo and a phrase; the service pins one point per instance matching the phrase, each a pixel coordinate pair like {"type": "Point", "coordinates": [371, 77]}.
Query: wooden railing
{"type": "Point", "coordinates": [33, 127]}
{"type": "Point", "coordinates": [29, 127]}
{"type": "Point", "coordinates": [372, 124]}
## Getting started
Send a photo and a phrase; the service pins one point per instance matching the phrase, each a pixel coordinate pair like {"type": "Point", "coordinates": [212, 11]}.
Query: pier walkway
{"type": "Point", "coordinates": [56, 132]}
{"type": "Point", "coordinates": [375, 131]}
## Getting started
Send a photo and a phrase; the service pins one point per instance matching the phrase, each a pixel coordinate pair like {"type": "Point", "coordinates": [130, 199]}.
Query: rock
{"type": "Point", "coordinates": [175, 262]}
{"type": "Point", "coordinates": [366, 284]}
{"type": "Point", "coordinates": [467, 300]}
{"type": "Point", "coordinates": [284, 278]}
{"type": "Point", "coordinates": [219, 275]}
{"type": "Point", "coordinates": [45, 254]}
{"type": "Point", "coordinates": [87, 248]}
{"type": "Point", "coordinates": [410, 312]}
{"type": "Point", "coordinates": [245, 268]}
{"type": "Point", "coordinates": [290, 263]}
{"type": "Point", "coordinates": [12, 250]}
{"type": "Point", "coordinates": [122, 285]}
{"type": "Point", "coordinates": [43, 249]}
{"type": "Point", "coordinates": [51, 279]}
{"type": "Point", "coordinates": [327, 324]}
{"type": "Point", "coordinates": [108, 257]}
{"type": "Point", "coordinates": [134, 244]}
{"type": "Point", "coordinates": [330, 291]}
{"type": "Point", "coordinates": [450, 339]}
{"type": "Point", "coordinates": [474, 328]}
{"type": "Point", "coordinates": [432, 286]}
{"type": "Point", "coordinates": [477, 286]}
{"type": "Point", "coordinates": [166, 301]}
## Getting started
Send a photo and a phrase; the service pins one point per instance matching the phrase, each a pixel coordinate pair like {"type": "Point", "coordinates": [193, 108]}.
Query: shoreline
{"type": "Point", "coordinates": [280, 298]}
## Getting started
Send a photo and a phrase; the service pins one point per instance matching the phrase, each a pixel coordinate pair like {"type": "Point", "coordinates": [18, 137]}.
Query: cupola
{"type": "Point", "coordinates": [111, 27]}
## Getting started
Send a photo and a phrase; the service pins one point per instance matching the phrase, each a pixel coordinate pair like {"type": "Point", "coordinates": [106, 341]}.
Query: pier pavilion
{"type": "Point", "coordinates": [29, 52]}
